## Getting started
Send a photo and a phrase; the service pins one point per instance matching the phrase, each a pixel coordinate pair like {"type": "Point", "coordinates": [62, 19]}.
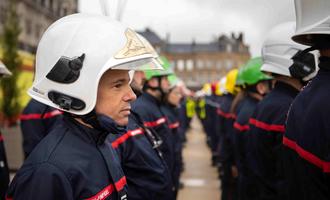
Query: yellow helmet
{"type": "Point", "coordinates": [207, 89]}
{"type": "Point", "coordinates": [231, 81]}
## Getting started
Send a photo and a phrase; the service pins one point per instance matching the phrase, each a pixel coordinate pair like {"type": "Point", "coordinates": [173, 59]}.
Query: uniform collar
{"type": "Point", "coordinates": [284, 87]}
{"type": "Point", "coordinates": [93, 135]}
{"type": "Point", "coordinates": [150, 98]}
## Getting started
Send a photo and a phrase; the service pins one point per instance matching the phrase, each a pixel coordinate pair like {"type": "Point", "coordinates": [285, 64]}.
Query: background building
{"type": "Point", "coordinates": [198, 63]}
{"type": "Point", "coordinates": [35, 16]}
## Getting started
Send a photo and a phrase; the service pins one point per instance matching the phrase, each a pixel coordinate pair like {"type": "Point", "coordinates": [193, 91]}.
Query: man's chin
{"type": "Point", "coordinates": [123, 121]}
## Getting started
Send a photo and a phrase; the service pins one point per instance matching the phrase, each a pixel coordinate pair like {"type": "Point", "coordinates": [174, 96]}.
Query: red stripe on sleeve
{"type": "Point", "coordinates": [174, 125]}
{"type": "Point", "coordinates": [155, 123]}
{"type": "Point", "coordinates": [39, 116]}
{"type": "Point", "coordinates": [104, 193]}
{"type": "Point", "coordinates": [306, 155]}
{"type": "Point", "coordinates": [121, 183]}
{"type": "Point", "coordinates": [124, 137]}
{"type": "Point", "coordinates": [267, 127]}
{"type": "Point", "coordinates": [225, 115]}
{"type": "Point", "coordinates": [108, 190]}
{"type": "Point", "coordinates": [241, 127]}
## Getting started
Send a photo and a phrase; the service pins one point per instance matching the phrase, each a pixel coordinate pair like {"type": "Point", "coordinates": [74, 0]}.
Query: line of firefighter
{"type": "Point", "coordinates": [83, 136]}
{"type": "Point", "coordinates": [266, 122]}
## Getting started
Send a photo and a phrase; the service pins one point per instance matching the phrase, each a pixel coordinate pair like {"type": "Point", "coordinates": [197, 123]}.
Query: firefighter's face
{"type": "Point", "coordinates": [115, 95]}
{"type": "Point", "coordinates": [175, 96]}
{"type": "Point", "coordinates": [165, 84]}
{"type": "Point", "coordinates": [138, 80]}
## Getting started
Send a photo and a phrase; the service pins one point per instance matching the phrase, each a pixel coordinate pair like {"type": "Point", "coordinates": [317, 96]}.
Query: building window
{"type": "Point", "coordinates": [172, 62]}
{"type": "Point", "coordinates": [28, 27]}
{"type": "Point", "coordinates": [180, 65]}
{"type": "Point", "coordinates": [51, 5]}
{"type": "Point", "coordinates": [190, 65]}
{"type": "Point", "coordinates": [158, 49]}
{"type": "Point", "coordinates": [38, 31]}
{"type": "Point", "coordinates": [200, 64]}
{"type": "Point", "coordinates": [229, 64]}
{"type": "Point", "coordinates": [43, 3]}
{"type": "Point", "coordinates": [209, 64]}
{"type": "Point", "coordinates": [219, 64]}
{"type": "Point", "coordinates": [65, 11]}
{"type": "Point", "coordinates": [229, 48]}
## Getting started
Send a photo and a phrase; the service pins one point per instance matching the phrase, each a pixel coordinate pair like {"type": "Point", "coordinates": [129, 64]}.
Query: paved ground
{"type": "Point", "coordinates": [200, 179]}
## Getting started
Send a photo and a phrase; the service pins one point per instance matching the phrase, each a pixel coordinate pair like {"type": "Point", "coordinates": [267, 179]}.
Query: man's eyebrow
{"type": "Point", "coordinates": [119, 81]}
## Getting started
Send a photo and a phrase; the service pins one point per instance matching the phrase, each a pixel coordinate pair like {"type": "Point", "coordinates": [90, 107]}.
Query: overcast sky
{"type": "Point", "coordinates": [202, 20]}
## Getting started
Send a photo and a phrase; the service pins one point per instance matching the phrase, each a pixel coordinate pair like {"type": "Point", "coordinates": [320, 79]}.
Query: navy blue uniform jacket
{"type": "Point", "coordinates": [148, 108]}
{"type": "Point", "coordinates": [71, 162]}
{"type": "Point", "coordinates": [37, 120]}
{"type": "Point", "coordinates": [307, 141]}
{"type": "Point", "coordinates": [266, 133]}
{"type": "Point", "coordinates": [146, 171]}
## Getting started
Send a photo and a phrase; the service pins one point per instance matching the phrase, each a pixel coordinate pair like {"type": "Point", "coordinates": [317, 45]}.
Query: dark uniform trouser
{"type": "Point", "coordinates": [4, 171]}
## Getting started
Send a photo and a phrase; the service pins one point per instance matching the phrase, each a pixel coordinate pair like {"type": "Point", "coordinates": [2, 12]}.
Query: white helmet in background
{"type": "Point", "coordinates": [278, 51]}
{"type": "Point", "coordinates": [76, 51]}
{"type": "Point", "coordinates": [222, 86]}
{"type": "Point", "coordinates": [313, 21]}
{"type": "Point", "coordinates": [4, 71]}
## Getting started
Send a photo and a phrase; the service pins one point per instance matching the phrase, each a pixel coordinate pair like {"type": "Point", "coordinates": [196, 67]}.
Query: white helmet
{"type": "Point", "coordinates": [313, 21]}
{"type": "Point", "coordinates": [3, 70]}
{"type": "Point", "coordinates": [76, 51]}
{"type": "Point", "coordinates": [222, 86]}
{"type": "Point", "coordinates": [278, 50]}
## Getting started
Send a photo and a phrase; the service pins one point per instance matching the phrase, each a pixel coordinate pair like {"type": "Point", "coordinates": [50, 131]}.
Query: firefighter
{"type": "Point", "coordinates": [228, 173]}
{"type": "Point", "coordinates": [256, 86]}
{"type": "Point", "coordinates": [170, 109]}
{"type": "Point", "coordinates": [213, 122]}
{"type": "Point", "coordinates": [267, 122]}
{"type": "Point", "coordinates": [142, 161]}
{"type": "Point", "coordinates": [306, 139]}
{"type": "Point", "coordinates": [83, 72]}
{"type": "Point", "coordinates": [209, 107]}
{"type": "Point", "coordinates": [4, 170]}
{"type": "Point", "coordinates": [148, 107]}
{"type": "Point", "coordinates": [37, 119]}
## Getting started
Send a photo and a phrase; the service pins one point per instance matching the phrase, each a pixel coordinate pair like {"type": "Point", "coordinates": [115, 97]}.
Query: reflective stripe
{"type": "Point", "coordinates": [241, 127]}
{"type": "Point", "coordinates": [124, 137]}
{"type": "Point", "coordinates": [308, 156]}
{"type": "Point", "coordinates": [39, 116]}
{"type": "Point", "coordinates": [225, 115]}
{"type": "Point", "coordinates": [155, 123]}
{"type": "Point", "coordinates": [108, 190]}
{"type": "Point", "coordinates": [121, 183]}
{"type": "Point", "coordinates": [103, 194]}
{"type": "Point", "coordinates": [267, 127]}
{"type": "Point", "coordinates": [174, 125]}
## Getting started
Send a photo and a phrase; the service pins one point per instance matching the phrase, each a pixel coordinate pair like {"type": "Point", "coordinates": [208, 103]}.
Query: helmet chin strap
{"type": "Point", "coordinates": [90, 118]}
{"type": "Point", "coordinates": [158, 88]}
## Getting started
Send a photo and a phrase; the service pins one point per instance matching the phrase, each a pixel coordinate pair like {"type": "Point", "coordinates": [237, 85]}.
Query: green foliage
{"type": "Point", "coordinates": [9, 40]}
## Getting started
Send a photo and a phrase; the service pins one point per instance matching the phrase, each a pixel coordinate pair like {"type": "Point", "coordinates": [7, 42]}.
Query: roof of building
{"type": "Point", "coordinates": [151, 36]}
{"type": "Point", "coordinates": [193, 47]}
{"type": "Point", "coordinates": [218, 45]}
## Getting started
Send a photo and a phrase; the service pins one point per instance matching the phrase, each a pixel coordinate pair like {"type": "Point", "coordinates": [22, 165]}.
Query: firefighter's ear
{"type": "Point", "coordinates": [262, 88]}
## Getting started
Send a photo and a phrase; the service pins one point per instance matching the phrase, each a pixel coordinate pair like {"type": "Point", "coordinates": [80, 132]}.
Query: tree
{"type": "Point", "coordinates": [11, 30]}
